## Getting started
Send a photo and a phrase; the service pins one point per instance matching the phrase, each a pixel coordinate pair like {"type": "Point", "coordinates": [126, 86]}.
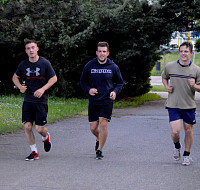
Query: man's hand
{"type": "Point", "coordinates": [93, 91]}
{"type": "Point", "coordinates": [169, 89]}
{"type": "Point", "coordinates": [112, 95]}
{"type": "Point", "coordinates": [191, 82]}
{"type": "Point", "coordinates": [23, 89]}
{"type": "Point", "coordinates": [38, 93]}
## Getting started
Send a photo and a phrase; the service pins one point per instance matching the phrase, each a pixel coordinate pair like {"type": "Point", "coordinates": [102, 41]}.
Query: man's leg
{"type": "Point", "coordinates": [29, 133]}
{"type": "Point", "coordinates": [175, 130]}
{"type": "Point", "coordinates": [175, 135]}
{"type": "Point", "coordinates": [188, 136]}
{"type": "Point", "coordinates": [95, 131]}
{"type": "Point", "coordinates": [94, 128]}
{"type": "Point", "coordinates": [31, 140]}
{"type": "Point", "coordinates": [103, 132]}
{"type": "Point", "coordinates": [42, 130]}
{"type": "Point", "coordinates": [188, 143]}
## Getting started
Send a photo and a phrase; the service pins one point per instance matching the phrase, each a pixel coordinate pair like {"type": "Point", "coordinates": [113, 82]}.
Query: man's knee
{"type": "Point", "coordinates": [94, 126]}
{"type": "Point", "coordinates": [103, 123]}
{"type": "Point", "coordinates": [40, 129]}
{"type": "Point", "coordinates": [28, 126]}
{"type": "Point", "coordinates": [189, 131]}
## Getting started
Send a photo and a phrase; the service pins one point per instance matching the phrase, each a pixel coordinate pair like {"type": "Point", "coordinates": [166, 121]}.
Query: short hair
{"type": "Point", "coordinates": [103, 44]}
{"type": "Point", "coordinates": [188, 45]}
{"type": "Point", "coordinates": [30, 41]}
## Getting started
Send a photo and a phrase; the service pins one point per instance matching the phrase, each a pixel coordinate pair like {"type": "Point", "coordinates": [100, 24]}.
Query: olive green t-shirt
{"type": "Point", "coordinates": [183, 94]}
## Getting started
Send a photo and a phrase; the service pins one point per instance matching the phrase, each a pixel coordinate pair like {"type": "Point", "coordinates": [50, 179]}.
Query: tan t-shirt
{"type": "Point", "coordinates": [183, 94]}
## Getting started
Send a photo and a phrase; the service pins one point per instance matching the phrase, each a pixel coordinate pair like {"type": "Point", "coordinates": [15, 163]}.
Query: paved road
{"type": "Point", "coordinates": [138, 156]}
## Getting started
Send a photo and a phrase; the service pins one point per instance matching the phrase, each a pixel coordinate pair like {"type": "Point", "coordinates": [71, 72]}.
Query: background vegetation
{"type": "Point", "coordinates": [68, 31]}
{"type": "Point", "coordinates": [59, 108]}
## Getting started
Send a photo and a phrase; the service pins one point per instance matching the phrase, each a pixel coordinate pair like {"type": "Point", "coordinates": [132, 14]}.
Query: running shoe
{"type": "Point", "coordinates": [99, 155]}
{"type": "Point", "coordinates": [47, 143]}
{"type": "Point", "coordinates": [32, 156]}
{"type": "Point", "coordinates": [97, 145]}
{"type": "Point", "coordinates": [186, 160]}
{"type": "Point", "coordinates": [177, 154]}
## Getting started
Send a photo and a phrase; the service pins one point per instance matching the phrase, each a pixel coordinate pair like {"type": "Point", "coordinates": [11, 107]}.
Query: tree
{"type": "Point", "coordinates": [197, 45]}
{"type": "Point", "coordinates": [49, 22]}
{"type": "Point", "coordinates": [135, 29]}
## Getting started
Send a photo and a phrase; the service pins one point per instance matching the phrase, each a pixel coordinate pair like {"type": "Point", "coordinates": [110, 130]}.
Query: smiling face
{"type": "Point", "coordinates": [185, 55]}
{"type": "Point", "coordinates": [102, 54]}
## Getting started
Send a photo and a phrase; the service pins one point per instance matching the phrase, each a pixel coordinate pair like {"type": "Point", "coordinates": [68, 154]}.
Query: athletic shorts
{"type": "Point", "coordinates": [100, 111]}
{"type": "Point", "coordinates": [188, 115]}
{"type": "Point", "coordinates": [34, 112]}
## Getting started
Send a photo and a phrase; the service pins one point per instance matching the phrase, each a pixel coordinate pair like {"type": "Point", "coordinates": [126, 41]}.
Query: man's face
{"type": "Point", "coordinates": [185, 54]}
{"type": "Point", "coordinates": [102, 54]}
{"type": "Point", "coordinates": [31, 50]}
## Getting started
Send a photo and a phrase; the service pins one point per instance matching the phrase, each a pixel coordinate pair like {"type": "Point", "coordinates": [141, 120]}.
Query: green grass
{"type": "Point", "coordinates": [59, 108]}
{"type": "Point", "coordinates": [172, 57]}
{"type": "Point", "coordinates": [135, 101]}
{"type": "Point", "coordinates": [158, 88]}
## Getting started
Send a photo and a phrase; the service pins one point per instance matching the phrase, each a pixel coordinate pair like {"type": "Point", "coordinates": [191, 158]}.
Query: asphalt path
{"type": "Point", "coordinates": [137, 155]}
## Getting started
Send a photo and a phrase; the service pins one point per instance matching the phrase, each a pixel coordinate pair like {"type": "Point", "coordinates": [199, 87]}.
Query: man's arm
{"type": "Point", "coordinates": [118, 83]}
{"type": "Point", "coordinates": [38, 93]}
{"type": "Point", "coordinates": [84, 82]}
{"type": "Point", "coordinates": [17, 83]}
{"type": "Point", "coordinates": [193, 84]}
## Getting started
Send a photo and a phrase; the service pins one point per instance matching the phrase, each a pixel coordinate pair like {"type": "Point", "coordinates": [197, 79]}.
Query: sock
{"type": "Point", "coordinates": [177, 145]}
{"type": "Point", "coordinates": [186, 153]}
{"type": "Point", "coordinates": [45, 138]}
{"type": "Point", "coordinates": [33, 148]}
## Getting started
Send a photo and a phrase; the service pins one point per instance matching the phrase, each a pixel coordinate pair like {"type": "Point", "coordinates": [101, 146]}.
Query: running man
{"type": "Point", "coordinates": [101, 80]}
{"type": "Point", "coordinates": [181, 79]}
{"type": "Point", "coordinates": [39, 76]}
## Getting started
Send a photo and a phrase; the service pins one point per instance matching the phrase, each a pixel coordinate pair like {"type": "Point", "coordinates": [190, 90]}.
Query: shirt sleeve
{"type": "Point", "coordinates": [165, 74]}
{"type": "Point", "coordinates": [84, 81]}
{"type": "Point", "coordinates": [50, 70]}
{"type": "Point", "coordinates": [19, 70]}
{"type": "Point", "coordinates": [118, 81]}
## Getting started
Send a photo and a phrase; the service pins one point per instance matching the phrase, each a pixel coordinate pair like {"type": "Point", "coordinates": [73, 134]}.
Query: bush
{"type": "Point", "coordinates": [197, 45]}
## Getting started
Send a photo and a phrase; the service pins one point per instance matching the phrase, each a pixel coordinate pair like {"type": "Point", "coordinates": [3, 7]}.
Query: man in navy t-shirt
{"type": "Point", "coordinates": [101, 80]}
{"type": "Point", "coordinates": [39, 76]}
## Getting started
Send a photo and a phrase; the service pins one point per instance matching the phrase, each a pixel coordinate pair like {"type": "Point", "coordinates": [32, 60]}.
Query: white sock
{"type": "Point", "coordinates": [45, 138]}
{"type": "Point", "coordinates": [33, 148]}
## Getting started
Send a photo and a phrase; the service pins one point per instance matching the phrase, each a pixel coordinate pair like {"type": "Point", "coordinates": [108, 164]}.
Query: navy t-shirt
{"type": "Point", "coordinates": [35, 75]}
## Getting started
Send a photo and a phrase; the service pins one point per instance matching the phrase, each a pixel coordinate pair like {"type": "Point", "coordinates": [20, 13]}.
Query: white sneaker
{"type": "Point", "coordinates": [177, 154]}
{"type": "Point", "coordinates": [186, 161]}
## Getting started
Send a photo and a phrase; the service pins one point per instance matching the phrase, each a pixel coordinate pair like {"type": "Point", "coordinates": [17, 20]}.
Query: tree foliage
{"type": "Point", "coordinates": [197, 45]}
{"type": "Point", "coordinates": [68, 32]}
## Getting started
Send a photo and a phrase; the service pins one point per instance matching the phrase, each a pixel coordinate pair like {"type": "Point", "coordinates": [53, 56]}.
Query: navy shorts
{"type": "Point", "coordinates": [34, 112]}
{"type": "Point", "coordinates": [100, 111]}
{"type": "Point", "coordinates": [188, 115]}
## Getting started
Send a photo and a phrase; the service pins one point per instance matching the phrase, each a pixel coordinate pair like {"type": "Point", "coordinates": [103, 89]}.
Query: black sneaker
{"type": "Point", "coordinates": [99, 155]}
{"type": "Point", "coordinates": [33, 156]}
{"type": "Point", "coordinates": [97, 145]}
{"type": "Point", "coordinates": [47, 144]}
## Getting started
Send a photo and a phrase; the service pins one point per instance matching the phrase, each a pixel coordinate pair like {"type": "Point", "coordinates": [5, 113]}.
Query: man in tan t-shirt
{"type": "Point", "coordinates": [181, 79]}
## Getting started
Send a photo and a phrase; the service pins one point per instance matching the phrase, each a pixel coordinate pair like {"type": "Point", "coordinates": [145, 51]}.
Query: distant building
{"type": "Point", "coordinates": [178, 38]}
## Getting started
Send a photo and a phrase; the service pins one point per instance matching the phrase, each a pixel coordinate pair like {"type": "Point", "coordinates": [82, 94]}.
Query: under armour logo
{"type": "Point", "coordinates": [29, 71]}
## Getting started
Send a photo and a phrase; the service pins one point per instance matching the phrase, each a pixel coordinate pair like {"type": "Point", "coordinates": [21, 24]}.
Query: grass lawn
{"type": "Point", "coordinates": [158, 88]}
{"type": "Point", "coordinates": [59, 108]}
